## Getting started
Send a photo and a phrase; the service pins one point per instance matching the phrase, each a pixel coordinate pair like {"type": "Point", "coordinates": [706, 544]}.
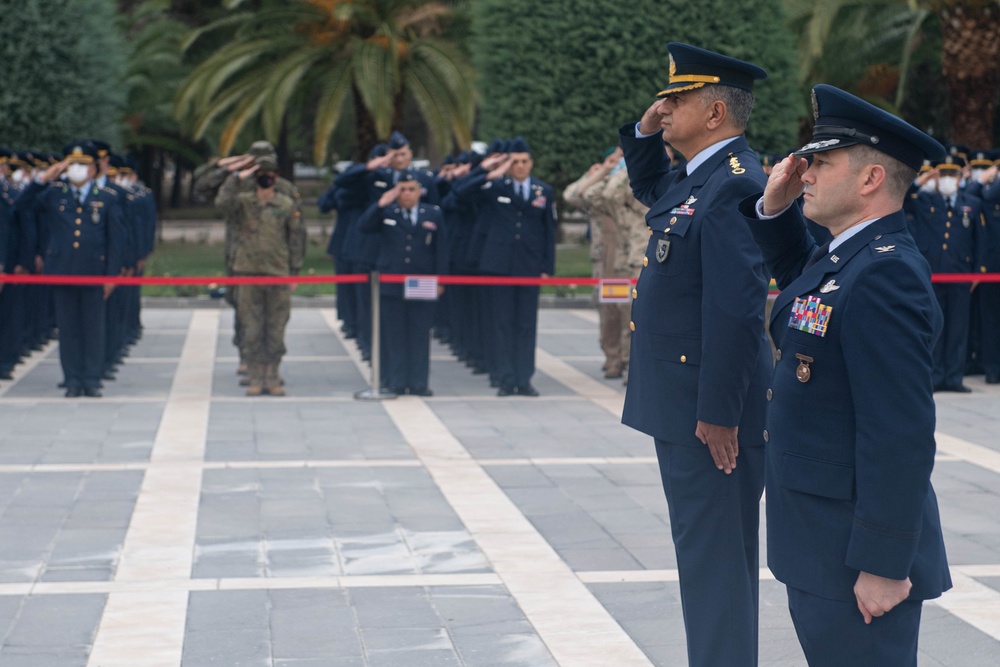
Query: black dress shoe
{"type": "Point", "coordinates": [992, 378]}
{"type": "Point", "coordinates": [73, 392]}
{"type": "Point", "coordinates": [62, 385]}
{"type": "Point", "coordinates": [505, 391]}
{"type": "Point", "coordinates": [958, 389]}
{"type": "Point", "coordinates": [109, 376]}
{"type": "Point", "coordinates": [92, 392]}
{"type": "Point", "coordinates": [421, 392]}
{"type": "Point", "coordinates": [527, 390]}
{"type": "Point", "coordinates": [494, 383]}
{"type": "Point", "coordinates": [6, 374]}
{"type": "Point", "coordinates": [478, 370]}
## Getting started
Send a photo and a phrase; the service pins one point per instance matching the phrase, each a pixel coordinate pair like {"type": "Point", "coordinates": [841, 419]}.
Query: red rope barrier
{"type": "Point", "coordinates": [354, 278]}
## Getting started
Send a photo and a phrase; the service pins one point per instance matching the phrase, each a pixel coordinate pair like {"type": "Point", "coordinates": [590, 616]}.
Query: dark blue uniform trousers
{"type": "Point", "coordinates": [514, 312]}
{"type": "Point", "coordinates": [80, 313]}
{"type": "Point", "coordinates": [949, 353]}
{"type": "Point", "coordinates": [833, 632]}
{"type": "Point", "coordinates": [714, 520]}
{"type": "Point", "coordinates": [406, 335]}
{"type": "Point", "coordinates": [989, 322]}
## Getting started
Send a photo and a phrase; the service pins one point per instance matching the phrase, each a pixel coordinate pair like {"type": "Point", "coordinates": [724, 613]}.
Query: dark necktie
{"type": "Point", "coordinates": [522, 192]}
{"type": "Point", "coordinates": [410, 218]}
{"type": "Point", "coordinates": [818, 254]}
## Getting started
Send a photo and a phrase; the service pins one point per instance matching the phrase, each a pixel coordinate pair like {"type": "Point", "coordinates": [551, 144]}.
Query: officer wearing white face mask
{"type": "Point", "coordinates": [948, 228]}
{"type": "Point", "coordinates": [85, 238]}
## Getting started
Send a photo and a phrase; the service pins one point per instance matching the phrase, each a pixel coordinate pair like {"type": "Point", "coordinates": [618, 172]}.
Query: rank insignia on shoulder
{"type": "Point", "coordinates": [662, 250]}
{"type": "Point", "coordinates": [810, 315]}
{"type": "Point", "coordinates": [885, 248]}
{"type": "Point", "coordinates": [734, 164]}
{"type": "Point", "coordinates": [487, 185]}
{"type": "Point", "coordinates": [831, 286]}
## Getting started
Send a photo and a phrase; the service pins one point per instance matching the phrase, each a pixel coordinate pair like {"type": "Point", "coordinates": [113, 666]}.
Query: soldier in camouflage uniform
{"type": "Point", "coordinates": [603, 255]}
{"type": "Point", "coordinates": [269, 240]}
{"type": "Point", "coordinates": [208, 179]}
{"type": "Point", "coordinates": [616, 200]}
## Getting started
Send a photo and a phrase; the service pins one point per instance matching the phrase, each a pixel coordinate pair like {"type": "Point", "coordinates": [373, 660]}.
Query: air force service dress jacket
{"type": "Point", "coordinates": [699, 348]}
{"type": "Point", "coordinates": [851, 413]}
{"type": "Point", "coordinates": [519, 234]}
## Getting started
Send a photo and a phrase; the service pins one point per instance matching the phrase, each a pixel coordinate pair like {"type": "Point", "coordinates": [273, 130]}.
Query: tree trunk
{"type": "Point", "coordinates": [286, 166]}
{"type": "Point", "coordinates": [175, 189]}
{"type": "Point", "coordinates": [364, 128]}
{"type": "Point", "coordinates": [970, 31]}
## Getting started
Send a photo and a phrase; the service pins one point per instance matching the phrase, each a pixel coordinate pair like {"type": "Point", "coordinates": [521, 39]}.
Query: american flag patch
{"type": "Point", "coordinates": [420, 287]}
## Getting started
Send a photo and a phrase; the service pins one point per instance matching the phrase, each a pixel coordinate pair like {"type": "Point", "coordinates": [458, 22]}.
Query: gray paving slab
{"type": "Point", "coordinates": [383, 515]}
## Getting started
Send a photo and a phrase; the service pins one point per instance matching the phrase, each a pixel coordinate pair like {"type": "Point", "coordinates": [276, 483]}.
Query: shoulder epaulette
{"type": "Point", "coordinates": [735, 166]}
{"type": "Point", "coordinates": [105, 188]}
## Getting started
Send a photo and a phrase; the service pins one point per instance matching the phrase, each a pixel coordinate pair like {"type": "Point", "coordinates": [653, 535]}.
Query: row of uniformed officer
{"type": "Point", "coordinates": [37, 244]}
{"type": "Point", "coordinates": [953, 216]}
{"type": "Point", "coordinates": [496, 220]}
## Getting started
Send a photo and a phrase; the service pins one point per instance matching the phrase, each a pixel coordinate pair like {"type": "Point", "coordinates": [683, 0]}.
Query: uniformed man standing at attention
{"type": "Point", "coordinates": [518, 218]}
{"type": "Point", "coordinates": [700, 357]}
{"type": "Point", "coordinates": [412, 241]}
{"type": "Point", "coordinates": [86, 237]}
{"type": "Point", "coordinates": [852, 520]}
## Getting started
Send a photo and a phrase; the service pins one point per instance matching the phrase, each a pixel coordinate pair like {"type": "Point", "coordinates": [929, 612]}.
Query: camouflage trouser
{"type": "Point", "coordinates": [263, 312]}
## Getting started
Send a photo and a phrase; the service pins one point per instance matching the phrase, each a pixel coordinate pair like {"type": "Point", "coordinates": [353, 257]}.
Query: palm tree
{"type": "Point", "coordinates": [866, 45]}
{"type": "Point", "coordinates": [970, 52]}
{"type": "Point", "coordinates": [336, 58]}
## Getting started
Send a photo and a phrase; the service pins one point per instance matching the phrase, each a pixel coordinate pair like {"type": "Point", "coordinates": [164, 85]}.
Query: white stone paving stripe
{"type": "Point", "coordinates": [544, 587]}
{"type": "Point", "coordinates": [587, 387]}
{"type": "Point", "coordinates": [975, 603]}
{"type": "Point", "coordinates": [145, 628]}
{"type": "Point", "coordinates": [984, 457]}
{"type": "Point", "coordinates": [575, 627]}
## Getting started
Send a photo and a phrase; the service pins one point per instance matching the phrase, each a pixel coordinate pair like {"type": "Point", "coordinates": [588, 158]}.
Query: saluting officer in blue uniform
{"type": "Point", "coordinates": [700, 356]}
{"type": "Point", "coordinates": [989, 241]}
{"type": "Point", "coordinates": [852, 520]}
{"type": "Point", "coordinates": [86, 237]}
{"type": "Point", "coordinates": [946, 231]}
{"type": "Point", "coordinates": [412, 241]}
{"type": "Point", "coordinates": [516, 210]}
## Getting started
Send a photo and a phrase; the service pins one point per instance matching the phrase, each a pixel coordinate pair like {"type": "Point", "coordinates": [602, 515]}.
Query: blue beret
{"type": "Point", "coordinates": [844, 120]}
{"type": "Point", "coordinates": [397, 140]}
{"type": "Point", "coordinates": [518, 145]}
{"type": "Point", "coordinates": [378, 150]}
{"type": "Point", "coordinates": [691, 67]}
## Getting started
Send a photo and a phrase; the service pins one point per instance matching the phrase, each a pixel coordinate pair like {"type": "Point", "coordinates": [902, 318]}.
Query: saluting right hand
{"type": "Point", "coordinates": [784, 185]}
{"type": "Point", "coordinates": [388, 196]}
{"type": "Point", "coordinates": [378, 162]}
{"type": "Point", "coordinates": [53, 172]}
{"type": "Point", "coordinates": [247, 173]}
{"type": "Point", "coordinates": [650, 123]}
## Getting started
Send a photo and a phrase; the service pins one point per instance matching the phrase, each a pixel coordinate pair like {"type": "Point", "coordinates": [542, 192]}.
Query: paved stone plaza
{"type": "Point", "coordinates": [178, 522]}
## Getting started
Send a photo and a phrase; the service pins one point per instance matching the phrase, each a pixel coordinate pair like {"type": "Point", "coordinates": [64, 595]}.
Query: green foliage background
{"type": "Point", "coordinates": [566, 74]}
{"type": "Point", "coordinates": [63, 71]}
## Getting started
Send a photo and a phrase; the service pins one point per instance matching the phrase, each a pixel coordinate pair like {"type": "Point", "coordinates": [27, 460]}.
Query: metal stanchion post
{"type": "Point", "coordinates": [375, 391]}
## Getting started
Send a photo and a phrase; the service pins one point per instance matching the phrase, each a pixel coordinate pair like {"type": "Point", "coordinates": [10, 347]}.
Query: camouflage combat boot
{"type": "Point", "coordinates": [272, 381]}
{"type": "Point", "coordinates": [255, 383]}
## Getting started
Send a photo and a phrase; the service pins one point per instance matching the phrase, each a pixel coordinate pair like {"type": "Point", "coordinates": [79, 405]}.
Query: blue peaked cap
{"type": "Point", "coordinates": [844, 120]}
